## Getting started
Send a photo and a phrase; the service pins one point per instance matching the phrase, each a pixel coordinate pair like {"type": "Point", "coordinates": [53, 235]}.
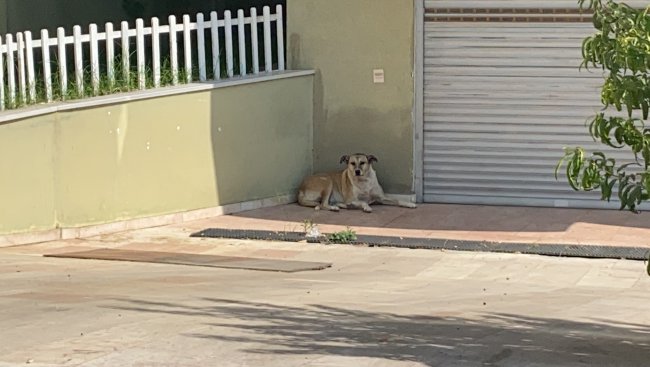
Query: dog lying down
{"type": "Point", "coordinates": [356, 187]}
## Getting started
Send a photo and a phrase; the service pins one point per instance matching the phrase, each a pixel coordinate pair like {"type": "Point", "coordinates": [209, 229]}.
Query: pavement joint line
{"type": "Point", "coordinates": [546, 249]}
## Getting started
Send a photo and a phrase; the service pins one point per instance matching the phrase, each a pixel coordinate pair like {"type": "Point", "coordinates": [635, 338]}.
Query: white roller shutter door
{"type": "Point", "coordinates": [502, 96]}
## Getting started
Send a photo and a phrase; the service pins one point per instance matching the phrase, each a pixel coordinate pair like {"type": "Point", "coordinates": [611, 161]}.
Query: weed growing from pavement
{"type": "Point", "coordinates": [346, 236]}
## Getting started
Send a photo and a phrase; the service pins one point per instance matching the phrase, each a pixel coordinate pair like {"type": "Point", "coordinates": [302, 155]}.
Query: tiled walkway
{"type": "Point", "coordinates": [462, 222]}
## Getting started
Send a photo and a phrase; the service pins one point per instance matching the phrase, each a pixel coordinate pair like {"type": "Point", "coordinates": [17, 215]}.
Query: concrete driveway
{"type": "Point", "coordinates": [374, 307]}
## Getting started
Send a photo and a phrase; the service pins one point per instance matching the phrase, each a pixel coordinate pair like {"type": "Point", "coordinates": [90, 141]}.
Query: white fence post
{"type": "Point", "coordinates": [94, 59]}
{"type": "Point", "coordinates": [254, 42]}
{"type": "Point", "coordinates": [200, 44]}
{"type": "Point", "coordinates": [78, 60]}
{"type": "Point", "coordinates": [268, 57]}
{"type": "Point", "coordinates": [139, 40]}
{"type": "Point", "coordinates": [126, 56]}
{"type": "Point", "coordinates": [241, 38]}
{"type": "Point", "coordinates": [29, 55]}
{"type": "Point", "coordinates": [110, 55]}
{"type": "Point", "coordinates": [155, 51]}
{"type": "Point", "coordinates": [173, 49]}
{"type": "Point", "coordinates": [11, 75]}
{"type": "Point", "coordinates": [20, 53]}
{"type": "Point", "coordinates": [280, 36]}
{"type": "Point", "coordinates": [2, 79]}
{"type": "Point", "coordinates": [187, 47]}
{"type": "Point", "coordinates": [63, 68]}
{"type": "Point", "coordinates": [229, 56]}
{"type": "Point", "coordinates": [216, 61]}
{"type": "Point", "coordinates": [47, 70]}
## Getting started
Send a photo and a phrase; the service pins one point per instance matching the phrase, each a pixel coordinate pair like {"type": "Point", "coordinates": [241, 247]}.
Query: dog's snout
{"type": "Point", "coordinates": [357, 172]}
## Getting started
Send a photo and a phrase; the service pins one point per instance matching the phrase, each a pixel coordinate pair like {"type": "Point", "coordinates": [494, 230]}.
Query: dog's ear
{"type": "Point", "coordinates": [371, 158]}
{"type": "Point", "coordinates": [345, 158]}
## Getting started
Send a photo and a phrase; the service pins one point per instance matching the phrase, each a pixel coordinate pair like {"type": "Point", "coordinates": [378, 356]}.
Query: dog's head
{"type": "Point", "coordinates": [358, 164]}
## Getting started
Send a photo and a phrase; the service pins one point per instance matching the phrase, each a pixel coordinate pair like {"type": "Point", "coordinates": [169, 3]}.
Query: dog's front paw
{"type": "Point", "coordinates": [410, 205]}
{"type": "Point", "coordinates": [367, 209]}
{"type": "Point", "coordinates": [333, 208]}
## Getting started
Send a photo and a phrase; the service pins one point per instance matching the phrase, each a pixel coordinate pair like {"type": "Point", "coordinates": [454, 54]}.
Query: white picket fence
{"type": "Point", "coordinates": [18, 76]}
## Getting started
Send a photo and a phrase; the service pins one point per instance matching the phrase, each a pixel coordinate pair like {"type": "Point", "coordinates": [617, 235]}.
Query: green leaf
{"type": "Point", "coordinates": [646, 155]}
{"type": "Point", "coordinates": [558, 166]}
{"type": "Point", "coordinates": [571, 177]}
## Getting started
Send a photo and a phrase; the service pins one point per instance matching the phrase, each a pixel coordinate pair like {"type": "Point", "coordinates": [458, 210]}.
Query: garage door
{"type": "Point", "coordinates": [502, 96]}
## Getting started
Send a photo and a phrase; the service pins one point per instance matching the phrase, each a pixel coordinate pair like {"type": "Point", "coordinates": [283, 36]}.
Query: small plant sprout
{"type": "Point", "coordinates": [346, 236]}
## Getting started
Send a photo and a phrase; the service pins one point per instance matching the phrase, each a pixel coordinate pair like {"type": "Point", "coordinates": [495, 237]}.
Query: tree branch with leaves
{"type": "Point", "coordinates": [621, 48]}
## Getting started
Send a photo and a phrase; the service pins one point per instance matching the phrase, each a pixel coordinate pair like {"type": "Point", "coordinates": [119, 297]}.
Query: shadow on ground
{"type": "Point", "coordinates": [488, 339]}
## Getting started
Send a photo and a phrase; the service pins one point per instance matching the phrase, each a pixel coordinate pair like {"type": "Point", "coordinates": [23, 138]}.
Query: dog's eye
{"type": "Point", "coordinates": [362, 163]}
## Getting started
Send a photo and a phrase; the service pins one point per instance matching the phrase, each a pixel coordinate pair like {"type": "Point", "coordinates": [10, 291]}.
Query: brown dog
{"type": "Point", "coordinates": [354, 187]}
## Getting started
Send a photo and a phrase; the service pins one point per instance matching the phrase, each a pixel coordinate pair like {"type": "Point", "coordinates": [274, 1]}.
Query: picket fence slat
{"type": "Point", "coordinates": [94, 59]}
{"type": "Point", "coordinates": [155, 50]}
{"type": "Point", "coordinates": [268, 58]}
{"type": "Point", "coordinates": [216, 54]}
{"type": "Point", "coordinates": [110, 54]}
{"type": "Point", "coordinates": [229, 56]}
{"type": "Point", "coordinates": [78, 60]}
{"type": "Point", "coordinates": [254, 42]}
{"type": "Point", "coordinates": [63, 68]}
{"type": "Point", "coordinates": [47, 69]}
{"type": "Point", "coordinates": [200, 43]}
{"type": "Point", "coordinates": [126, 56]}
{"type": "Point", "coordinates": [139, 30]}
{"type": "Point", "coordinates": [187, 44]}
{"type": "Point", "coordinates": [20, 55]}
{"type": "Point", "coordinates": [173, 49]}
{"type": "Point", "coordinates": [24, 82]}
{"type": "Point", "coordinates": [241, 38]}
{"type": "Point", "coordinates": [280, 36]}
{"type": "Point", "coordinates": [29, 56]}
{"type": "Point", "coordinates": [2, 80]}
{"type": "Point", "coordinates": [11, 75]}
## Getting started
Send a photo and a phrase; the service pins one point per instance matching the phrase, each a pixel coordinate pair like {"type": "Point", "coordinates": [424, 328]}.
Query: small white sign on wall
{"type": "Point", "coordinates": [378, 76]}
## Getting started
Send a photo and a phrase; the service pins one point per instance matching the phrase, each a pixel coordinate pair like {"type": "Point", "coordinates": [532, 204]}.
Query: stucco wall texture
{"type": "Point", "coordinates": [155, 156]}
{"type": "Point", "coordinates": [344, 41]}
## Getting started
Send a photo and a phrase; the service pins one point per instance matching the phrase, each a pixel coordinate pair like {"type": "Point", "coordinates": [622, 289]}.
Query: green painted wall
{"type": "Point", "coordinates": [156, 156]}
{"type": "Point", "coordinates": [344, 40]}
{"type": "Point", "coordinates": [135, 159]}
{"type": "Point", "coordinates": [27, 151]}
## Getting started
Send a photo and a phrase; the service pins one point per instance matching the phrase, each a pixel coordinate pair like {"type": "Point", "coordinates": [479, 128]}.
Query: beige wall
{"type": "Point", "coordinates": [155, 156]}
{"type": "Point", "coordinates": [344, 40]}
{"type": "Point", "coordinates": [27, 154]}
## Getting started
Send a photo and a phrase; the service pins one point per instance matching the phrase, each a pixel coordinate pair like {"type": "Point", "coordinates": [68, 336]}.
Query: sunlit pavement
{"type": "Point", "coordinates": [374, 307]}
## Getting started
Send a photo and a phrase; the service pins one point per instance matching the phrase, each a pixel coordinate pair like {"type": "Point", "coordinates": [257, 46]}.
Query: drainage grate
{"type": "Point", "coordinates": [588, 251]}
